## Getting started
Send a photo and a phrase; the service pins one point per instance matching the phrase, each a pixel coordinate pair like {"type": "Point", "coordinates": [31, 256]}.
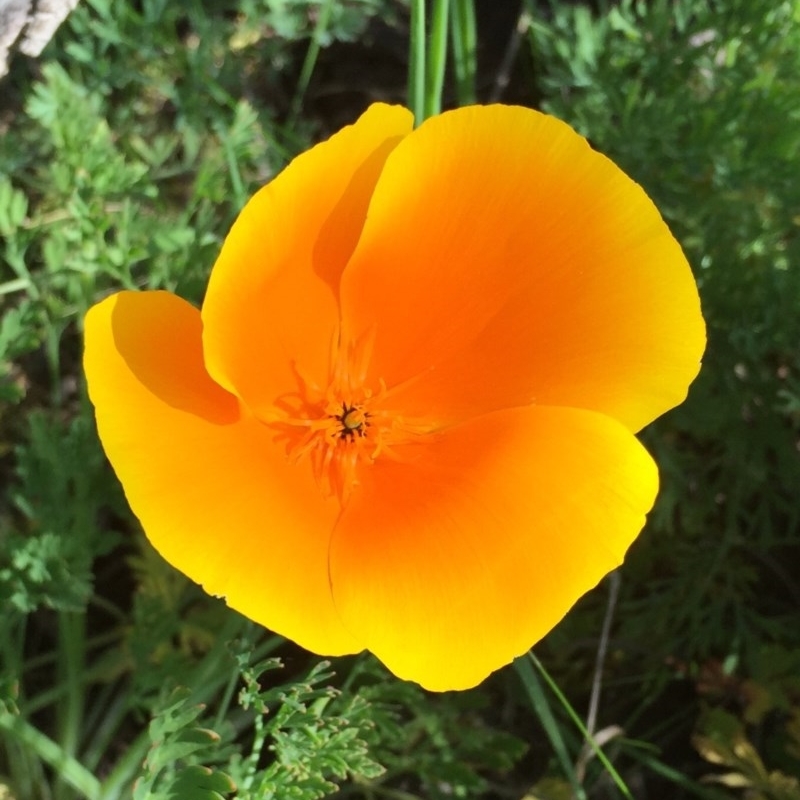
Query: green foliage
{"type": "Point", "coordinates": [177, 737]}
{"type": "Point", "coordinates": [131, 150]}
{"type": "Point", "coordinates": [8, 695]}
{"type": "Point", "coordinates": [18, 335]}
{"type": "Point", "coordinates": [439, 747]}
{"type": "Point", "coordinates": [698, 100]}
{"type": "Point", "coordinates": [298, 19]}
{"type": "Point", "coordinates": [749, 719]}
{"type": "Point", "coordinates": [62, 483]}
{"type": "Point", "coordinates": [316, 735]}
{"type": "Point", "coordinates": [722, 741]}
{"type": "Point", "coordinates": [118, 174]}
{"type": "Point", "coordinates": [172, 625]}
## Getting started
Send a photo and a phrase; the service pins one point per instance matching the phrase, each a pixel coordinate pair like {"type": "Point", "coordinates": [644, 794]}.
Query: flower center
{"type": "Point", "coordinates": [335, 436]}
{"type": "Point", "coordinates": [343, 427]}
{"type": "Point", "coordinates": [354, 421]}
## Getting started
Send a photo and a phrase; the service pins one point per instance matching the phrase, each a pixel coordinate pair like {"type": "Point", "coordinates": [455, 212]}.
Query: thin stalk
{"type": "Point", "coordinates": [110, 708]}
{"type": "Point", "coordinates": [12, 645]}
{"type": "Point", "coordinates": [69, 769]}
{"type": "Point", "coordinates": [541, 707]}
{"type": "Point", "coordinates": [437, 58]}
{"type": "Point", "coordinates": [52, 346]}
{"type": "Point", "coordinates": [51, 656]}
{"type": "Point", "coordinates": [72, 650]}
{"type": "Point", "coordinates": [463, 34]}
{"type": "Point", "coordinates": [260, 652]}
{"type": "Point", "coordinates": [211, 674]}
{"type": "Point", "coordinates": [684, 781]}
{"type": "Point", "coordinates": [524, 23]}
{"type": "Point", "coordinates": [605, 634]}
{"type": "Point", "coordinates": [416, 62]}
{"type": "Point", "coordinates": [117, 784]}
{"type": "Point", "coordinates": [59, 693]}
{"type": "Point", "coordinates": [597, 680]}
{"type": "Point", "coordinates": [225, 701]}
{"type": "Point", "coordinates": [239, 194]}
{"type": "Point", "coordinates": [573, 715]}
{"type": "Point", "coordinates": [310, 61]}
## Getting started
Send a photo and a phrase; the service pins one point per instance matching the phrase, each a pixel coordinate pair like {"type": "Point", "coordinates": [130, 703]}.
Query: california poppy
{"type": "Point", "coordinates": [404, 418]}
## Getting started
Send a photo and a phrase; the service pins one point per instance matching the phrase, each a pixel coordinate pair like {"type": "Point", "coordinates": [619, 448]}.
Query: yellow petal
{"type": "Point", "coordinates": [458, 555]}
{"type": "Point", "coordinates": [272, 301]}
{"type": "Point", "coordinates": [505, 262]}
{"type": "Point", "coordinates": [211, 486]}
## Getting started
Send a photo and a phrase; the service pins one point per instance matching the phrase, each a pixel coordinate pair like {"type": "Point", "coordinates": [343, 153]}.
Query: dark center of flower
{"type": "Point", "coordinates": [354, 421]}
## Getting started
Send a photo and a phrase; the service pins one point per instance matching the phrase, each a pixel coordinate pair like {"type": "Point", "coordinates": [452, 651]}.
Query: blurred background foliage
{"type": "Point", "coordinates": [126, 151]}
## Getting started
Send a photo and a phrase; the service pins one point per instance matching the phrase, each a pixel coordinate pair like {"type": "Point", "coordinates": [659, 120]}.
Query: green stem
{"type": "Point", "coordinates": [212, 673]}
{"type": "Point", "coordinates": [437, 58]}
{"type": "Point", "coordinates": [573, 715]}
{"type": "Point", "coordinates": [117, 784]}
{"type": "Point", "coordinates": [463, 34]}
{"type": "Point", "coordinates": [52, 346]}
{"type": "Point", "coordinates": [542, 709]}
{"type": "Point", "coordinates": [416, 62]}
{"type": "Point", "coordinates": [310, 61]}
{"type": "Point", "coordinates": [71, 640]}
{"type": "Point", "coordinates": [46, 660]}
{"type": "Point", "coordinates": [110, 706]}
{"type": "Point", "coordinates": [225, 701]}
{"type": "Point", "coordinates": [60, 692]}
{"type": "Point", "coordinates": [239, 193]}
{"type": "Point", "coordinates": [69, 769]}
{"type": "Point", "coordinates": [71, 663]}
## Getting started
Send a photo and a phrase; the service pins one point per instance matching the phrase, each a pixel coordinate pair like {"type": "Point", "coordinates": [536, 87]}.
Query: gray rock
{"type": "Point", "coordinates": [28, 25]}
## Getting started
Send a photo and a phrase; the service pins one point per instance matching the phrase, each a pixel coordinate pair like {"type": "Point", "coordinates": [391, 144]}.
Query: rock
{"type": "Point", "coordinates": [28, 25]}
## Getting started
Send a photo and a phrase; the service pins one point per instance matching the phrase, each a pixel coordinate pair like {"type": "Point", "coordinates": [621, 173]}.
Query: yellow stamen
{"type": "Point", "coordinates": [342, 428]}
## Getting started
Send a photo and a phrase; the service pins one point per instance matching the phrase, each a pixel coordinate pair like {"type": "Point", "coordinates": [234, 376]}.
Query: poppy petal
{"type": "Point", "coordinates": [456, 556]}
{"type": "Point", "coordinates": [273, 292]}
{"type": "Point", "coordinates": [211, 487]}
{"type": "Point", "coordinates": [505, 262]}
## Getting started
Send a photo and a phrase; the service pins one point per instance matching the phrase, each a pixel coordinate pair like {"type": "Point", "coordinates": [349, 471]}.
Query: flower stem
{"type": "Point", "coordinates": [464, 37]}
{"type": "Point", "coordinates": [573, 715]}
{"type": "Point", "coordinates": [437, 57]}
{"type": "Point", "coordinates": [69, 769]}
{"type": "Point", "coordinates": [71, 639]}
{"type": "Point", "coordinates": [541, 707]}
{"type": "Point", "coordinates": [416, 61]}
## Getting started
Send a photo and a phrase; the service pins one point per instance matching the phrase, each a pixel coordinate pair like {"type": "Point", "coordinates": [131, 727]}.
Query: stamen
{"type": "Point", "coordinates": [342, 429]}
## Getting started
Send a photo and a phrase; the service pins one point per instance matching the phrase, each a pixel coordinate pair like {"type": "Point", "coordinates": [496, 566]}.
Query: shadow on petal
{"type": "Point", "coordinates": [169, 363]}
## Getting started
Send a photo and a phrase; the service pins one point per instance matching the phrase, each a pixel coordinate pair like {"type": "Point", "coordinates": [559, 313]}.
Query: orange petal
{"type": "Point", "coordinates": [505, 262]}
{"type": "Point", "coordinates": [214, 492]}
{"type": "Point", "coordinates": [459, 556]}
{"type": "Point", "coordinates": [272, 300]}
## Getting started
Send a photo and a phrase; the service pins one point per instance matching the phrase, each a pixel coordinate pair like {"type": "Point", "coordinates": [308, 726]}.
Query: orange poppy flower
{"type": "Point", "coordinates": [404, 418]}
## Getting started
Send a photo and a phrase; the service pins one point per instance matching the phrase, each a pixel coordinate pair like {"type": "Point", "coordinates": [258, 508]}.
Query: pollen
{"type": "Point", "coordinates": [354, 421]}
{"type": "Point", "coordinates": [342, 428]}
